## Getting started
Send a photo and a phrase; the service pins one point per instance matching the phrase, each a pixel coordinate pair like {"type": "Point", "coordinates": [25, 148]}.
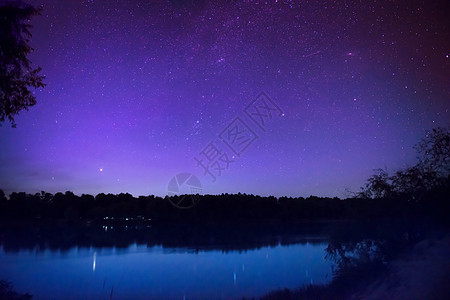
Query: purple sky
{"type": "Point", "coordinates": [136, 90]}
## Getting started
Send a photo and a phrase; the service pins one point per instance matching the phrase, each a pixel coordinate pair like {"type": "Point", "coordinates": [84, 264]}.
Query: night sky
{"type": "Point", "coordinates": [139, 91]}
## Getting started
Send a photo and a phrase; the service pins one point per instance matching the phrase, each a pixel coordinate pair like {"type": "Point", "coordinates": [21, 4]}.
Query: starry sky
{"type": "Point", "coordinates": [139, 91]}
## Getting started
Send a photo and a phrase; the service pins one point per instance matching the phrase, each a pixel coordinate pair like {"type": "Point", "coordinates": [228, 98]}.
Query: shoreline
{"type": "Point", "coordinates": [423, 272]}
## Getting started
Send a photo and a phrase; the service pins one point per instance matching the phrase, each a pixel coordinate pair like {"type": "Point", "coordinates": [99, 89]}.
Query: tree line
{"type": "Point", "coordinates": [421, 189]}
{"type": "Point", "coordinates": [210, 208]}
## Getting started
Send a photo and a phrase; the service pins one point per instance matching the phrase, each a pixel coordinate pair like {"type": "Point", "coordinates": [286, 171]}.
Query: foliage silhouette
{"type": "Point", "coordinates": [17, 75]}
{"type": "Point", "coordinates": [434, 152]}
{"type": "Point", "coordinates": [429, 178]}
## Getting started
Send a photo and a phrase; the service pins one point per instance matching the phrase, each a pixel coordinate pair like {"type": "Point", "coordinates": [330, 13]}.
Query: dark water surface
{"type": "Point", "coordinates": [118, 264]}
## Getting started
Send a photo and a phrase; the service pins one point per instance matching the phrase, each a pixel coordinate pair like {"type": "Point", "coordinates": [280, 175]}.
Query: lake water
{"type": "Point", "coordinates": [140, 271]}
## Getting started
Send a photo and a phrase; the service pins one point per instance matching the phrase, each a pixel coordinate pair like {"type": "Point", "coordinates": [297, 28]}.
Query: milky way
{"type": "Point", "coordinates": [137, 92]}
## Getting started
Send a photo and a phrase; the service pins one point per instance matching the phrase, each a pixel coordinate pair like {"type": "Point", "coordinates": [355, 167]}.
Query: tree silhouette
{"type": "Point", "coordinates": [431, 172]}
{"type": "Point", "coordinates": [2, 197]}
{"type": "Point", "coordinates": [17, 75]}
{"type": "Point", "coordinates": [377, 186]}
{"type": "Point", "coordinates": [434, 152]}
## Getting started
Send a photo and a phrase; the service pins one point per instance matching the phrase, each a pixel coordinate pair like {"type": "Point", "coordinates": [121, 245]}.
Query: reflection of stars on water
{"type": "Point", "coordinates": [95, 260]}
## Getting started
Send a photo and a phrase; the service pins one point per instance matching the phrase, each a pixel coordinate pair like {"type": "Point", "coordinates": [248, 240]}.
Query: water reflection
{"type": "Point", "coordinates": [142, 272]}
{"type": "Point", "coordinates": [224, 237]}
{"type": "Point", "coordinates": [93, 264]}
{"type": "Point", "coordinates": [360, 253]}
{"type": "Point", "coordinates": [204, 262]}
{"type": "Point", "coordinates": [166, 262]}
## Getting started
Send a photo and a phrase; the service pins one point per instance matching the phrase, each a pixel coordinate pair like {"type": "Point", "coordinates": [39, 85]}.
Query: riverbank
{"type": "Point", "coordinates": [422, 273]}
{"type": "Point", "coordinates": [403, 265]}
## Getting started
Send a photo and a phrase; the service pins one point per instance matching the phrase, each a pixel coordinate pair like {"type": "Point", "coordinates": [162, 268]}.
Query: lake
{"type": "Point", "coordinates": [139, 270]}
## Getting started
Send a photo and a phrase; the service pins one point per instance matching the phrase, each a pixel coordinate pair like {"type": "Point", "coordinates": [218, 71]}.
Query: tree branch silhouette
{"type": "Point", "coordinates": [17, 76]}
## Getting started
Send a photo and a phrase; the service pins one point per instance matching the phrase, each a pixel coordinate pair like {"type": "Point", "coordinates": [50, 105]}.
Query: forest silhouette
{"type": "Point", "coordinates": [421, 190]}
